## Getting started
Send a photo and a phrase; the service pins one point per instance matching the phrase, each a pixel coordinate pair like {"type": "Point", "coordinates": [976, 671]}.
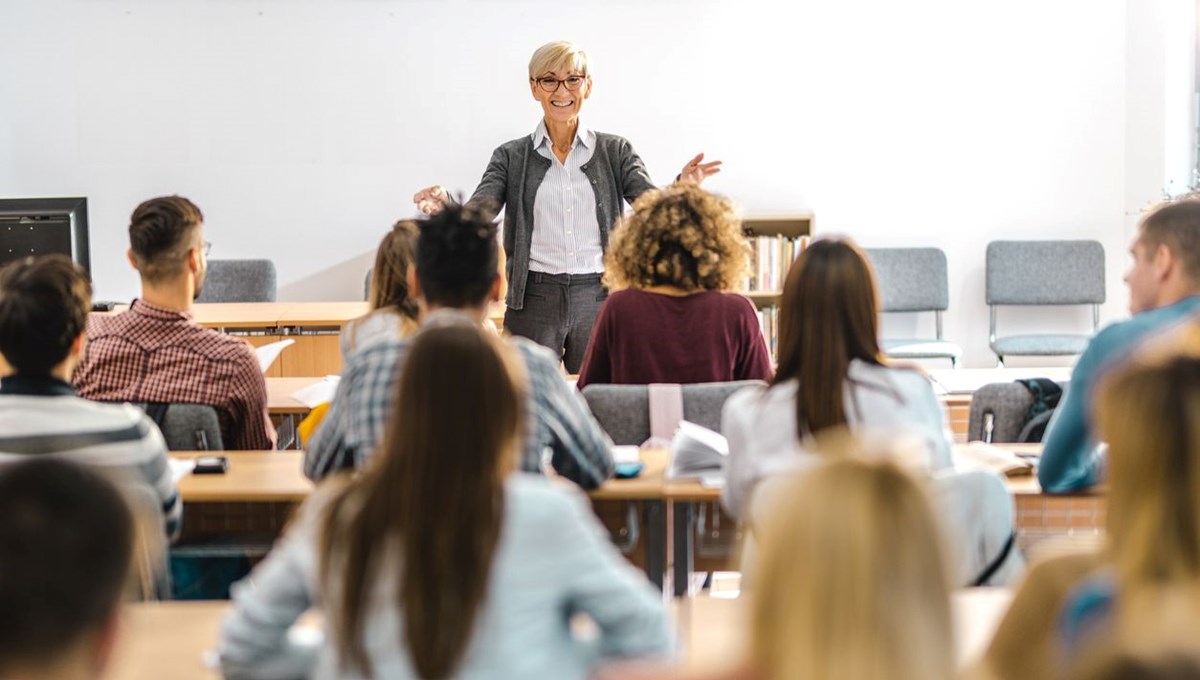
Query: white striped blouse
{"type": "Point", "coordinates": [566, 233]}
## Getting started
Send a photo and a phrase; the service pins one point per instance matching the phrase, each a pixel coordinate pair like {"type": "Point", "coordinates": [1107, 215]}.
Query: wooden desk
{"type": "Point", "coordinates": [178, 639]}
{"type": "Point", "coordinates": [252, 477]}
{"type": "Point", "coordinates": [279, 395]}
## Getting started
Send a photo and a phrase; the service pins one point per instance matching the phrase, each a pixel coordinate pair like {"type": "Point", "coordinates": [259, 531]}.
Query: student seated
{"type": "Point", "coordinates": [44, 305]}
{"type": "Point", "coordinates": [456, 280]}
{"type": "Point", "coordinates": [1164, 289]}
{"type": "Point", "coordinates": [65, 559]}
{"type": "Point", "coordinates": [850, 583]}
{"type": "Point", "coordinates": [830, 374]}
{"type": "Point", "coordinates": [673, 319]}
{"type": "Point", "coordinates": [441, 560]}
{"type": "Point", "coordinates": [393, 307]}
{"type": "Point", "coordinates": [156, 353]}
{"type": "Point", "coordinates": [1149, 573]}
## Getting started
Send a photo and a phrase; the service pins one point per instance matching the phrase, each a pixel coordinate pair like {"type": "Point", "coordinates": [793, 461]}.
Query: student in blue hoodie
{"type": "Point", "coordinates": [1164, 290]}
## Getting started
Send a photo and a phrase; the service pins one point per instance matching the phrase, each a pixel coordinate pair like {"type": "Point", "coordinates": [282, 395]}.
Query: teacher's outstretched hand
{"type": "Point", "coordinates": [696, 170]}
{"type": "Point", "coordinates": [431, 200]}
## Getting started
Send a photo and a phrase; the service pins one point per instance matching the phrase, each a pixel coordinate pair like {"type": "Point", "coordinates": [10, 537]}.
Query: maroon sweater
{"type": "Point", "coordinates": [641, 338]}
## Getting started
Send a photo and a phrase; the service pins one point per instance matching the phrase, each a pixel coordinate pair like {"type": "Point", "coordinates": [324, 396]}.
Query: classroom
{"type": "Point", "coordinates": [700, 340]}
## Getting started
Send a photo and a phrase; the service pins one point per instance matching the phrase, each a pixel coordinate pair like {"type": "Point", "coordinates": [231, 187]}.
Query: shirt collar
{"type": "Point", "coordinates": [143, 308]}
{"type": "Point", "coordinates": [583, 135]}
{"type": "Point", "coordinates": [35, 386]}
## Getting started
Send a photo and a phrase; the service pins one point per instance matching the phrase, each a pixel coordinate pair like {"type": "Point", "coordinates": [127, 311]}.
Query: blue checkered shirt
{"type": "Point", "coordinates": [559, 419]}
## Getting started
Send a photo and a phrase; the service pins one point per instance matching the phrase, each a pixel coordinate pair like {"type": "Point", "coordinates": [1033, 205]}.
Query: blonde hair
{"type": "Point", "coordinates": [558, 56]}
{"type": "Point", "coordinates": [1149, 413]}
{"type": "Point", "coordinates": [851, 581]}
{"type": "Point", "coordinates": [680, 236]}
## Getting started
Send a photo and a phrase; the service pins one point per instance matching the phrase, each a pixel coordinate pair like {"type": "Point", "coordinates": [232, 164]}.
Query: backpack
{"type": "Point", "coordinates": [1046, 395]}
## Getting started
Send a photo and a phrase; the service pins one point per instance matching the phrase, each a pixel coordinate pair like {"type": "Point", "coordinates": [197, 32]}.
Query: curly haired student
{"type": "Point", "coordinates": [673, 318]}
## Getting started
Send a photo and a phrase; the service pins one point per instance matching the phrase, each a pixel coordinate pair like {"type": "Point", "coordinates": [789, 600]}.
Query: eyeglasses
{"type": "Point", "coordinates": [207, 248]}
{"type": "Point", "coordinates": [550, 84]}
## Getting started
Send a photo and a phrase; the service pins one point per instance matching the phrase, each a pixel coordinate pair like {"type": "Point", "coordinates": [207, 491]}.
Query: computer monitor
{"type": "Point", "coordinates": [40, 226]}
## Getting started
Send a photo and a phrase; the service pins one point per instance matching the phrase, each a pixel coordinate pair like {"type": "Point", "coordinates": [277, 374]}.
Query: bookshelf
{"type": "Point", "coordinates": [775, 241]}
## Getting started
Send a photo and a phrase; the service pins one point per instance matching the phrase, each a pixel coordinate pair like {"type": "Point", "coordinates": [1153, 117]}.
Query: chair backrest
{"type": "Point", "coordinates": [367, 284]}
{"type": "Point", "coordinates": [188, 427]}
{"type": "Point", "coordinates": [911, 279]}
{"type": "Point", "coordinates": [239, 281]}
{"type": "Point", "coordinates": [624, 410]}
{"type": "Point", "coordinates": [1045, 273]}
{"type": "Point", "coordinates": [1005, 405]}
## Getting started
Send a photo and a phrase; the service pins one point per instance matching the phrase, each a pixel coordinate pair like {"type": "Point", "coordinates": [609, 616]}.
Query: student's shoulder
{"type": "Point", "coordinates": [535, 498]}
{"type": "Point", "coordinates": [217, 345]}
{"type": "Point", "coordinates": [101, 416]}
{"type": "Point", "coordinates": [736, 303]}
{"type": "Point", "coordinates": [750, 400]}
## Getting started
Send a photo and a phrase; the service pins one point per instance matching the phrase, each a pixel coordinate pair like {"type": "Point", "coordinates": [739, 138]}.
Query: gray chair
{"type": "Point", "coordinates": [1043, 273]}
{"type": "Point", "coordinates": [998, 412]}
{"type": "Point", "coordinates": [915, 280]}
{"type": "Point", "coordinates": [187, 427]}
{"type": "Point", "coordinates": [239, 281]}
{"type": "Point", "coordinates": [367, 284]}
{"type": "Point", "coordinates": [624, 413]}
{"type": "Point", "coordinates": [624, 410]}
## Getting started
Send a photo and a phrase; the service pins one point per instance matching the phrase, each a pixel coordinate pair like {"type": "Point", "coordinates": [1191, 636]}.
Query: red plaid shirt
{"type": "Point", "coordinates": [151, 354]}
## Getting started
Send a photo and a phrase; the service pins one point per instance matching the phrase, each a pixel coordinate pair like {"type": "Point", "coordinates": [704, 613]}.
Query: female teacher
{"type": "Point", "coordinates": [563, 187]}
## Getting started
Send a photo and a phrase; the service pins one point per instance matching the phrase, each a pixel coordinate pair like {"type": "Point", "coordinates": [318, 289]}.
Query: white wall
{"type": "Point", "coordinates": [302, 128]}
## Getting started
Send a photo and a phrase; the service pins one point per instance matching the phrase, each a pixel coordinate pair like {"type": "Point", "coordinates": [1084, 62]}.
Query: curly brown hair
{"type": "Point", "coordinates": [680, 236]}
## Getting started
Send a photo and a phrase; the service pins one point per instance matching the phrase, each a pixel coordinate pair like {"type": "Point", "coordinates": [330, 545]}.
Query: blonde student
{"type": "Point", "coordinates": [1149, 572]}
{"type": "Point", "coordinates": [394, 312]}
{"type": "Point", "coordinates": [440, 560]}
{"type": "Point", "coordinates": [850, 583]}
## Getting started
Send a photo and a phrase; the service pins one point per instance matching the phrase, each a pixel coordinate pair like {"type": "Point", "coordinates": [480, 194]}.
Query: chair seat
{"type": "Point", "coordinates": [916, 348]}
{"type": "Point", "coordinates": [1039, 345]}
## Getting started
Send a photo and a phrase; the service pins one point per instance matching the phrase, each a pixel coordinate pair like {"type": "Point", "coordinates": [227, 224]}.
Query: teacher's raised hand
{"type": "Point", "coordinates": [431, 200]}
{"type": "Point", "coordinates": [696, 170]}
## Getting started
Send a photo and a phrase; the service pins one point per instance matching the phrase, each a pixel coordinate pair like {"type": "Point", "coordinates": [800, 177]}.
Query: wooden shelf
{"type": "Point", "coordinates": [791, 226]}
{"type": "Point", "coordinates": [763, 298]}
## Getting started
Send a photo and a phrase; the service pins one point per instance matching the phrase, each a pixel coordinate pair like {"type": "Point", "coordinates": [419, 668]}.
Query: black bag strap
{"type": "Point", "coordinates": [995, 564]}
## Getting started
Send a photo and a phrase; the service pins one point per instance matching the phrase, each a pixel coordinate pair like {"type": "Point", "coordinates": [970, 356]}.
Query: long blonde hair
{"type": "Point", "coordinates": [851, 582]}
{"type": "Point", "coordinates": [1149, 413]}
{"type": "Point", "coordinates": [429, 508]}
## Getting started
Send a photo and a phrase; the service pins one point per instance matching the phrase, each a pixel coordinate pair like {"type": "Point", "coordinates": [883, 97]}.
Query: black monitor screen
{"type": "Point", "coordinates": [41, 226]}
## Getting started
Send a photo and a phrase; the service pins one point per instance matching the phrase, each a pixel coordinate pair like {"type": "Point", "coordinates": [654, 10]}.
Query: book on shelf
{"type": "Point", "coordinates": [770, 258]}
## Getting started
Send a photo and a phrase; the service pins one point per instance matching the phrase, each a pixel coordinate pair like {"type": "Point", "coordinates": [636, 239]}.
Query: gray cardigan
{"type": "Point", "coordinates": [512, 179]}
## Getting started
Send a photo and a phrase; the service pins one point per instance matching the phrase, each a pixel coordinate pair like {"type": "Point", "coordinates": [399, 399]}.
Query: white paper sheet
{"type": "Point", "coordinates": [267, 354]}
{"type": "Point", "coordinates": [318, 393]}
{"type": "Point", "coordinates": [625, 454]}
{"type": "Point", "coordinates": [180, 468]}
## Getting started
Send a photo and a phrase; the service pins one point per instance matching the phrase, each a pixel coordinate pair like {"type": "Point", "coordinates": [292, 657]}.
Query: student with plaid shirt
{"type": "Point", "coordinates": [456, 280]}
{"type": "Point", "coordinates": [155, 352]}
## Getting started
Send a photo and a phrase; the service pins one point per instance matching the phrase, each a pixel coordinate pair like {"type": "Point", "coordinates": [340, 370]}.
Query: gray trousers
{"type": "Point", "coordinates": [558, 313]}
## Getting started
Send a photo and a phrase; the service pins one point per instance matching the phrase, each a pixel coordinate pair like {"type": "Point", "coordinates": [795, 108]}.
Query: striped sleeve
{"type": "Point", "coordinates": [155, 471]}
{"type": "Point", "coordinates": [580, 449]}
